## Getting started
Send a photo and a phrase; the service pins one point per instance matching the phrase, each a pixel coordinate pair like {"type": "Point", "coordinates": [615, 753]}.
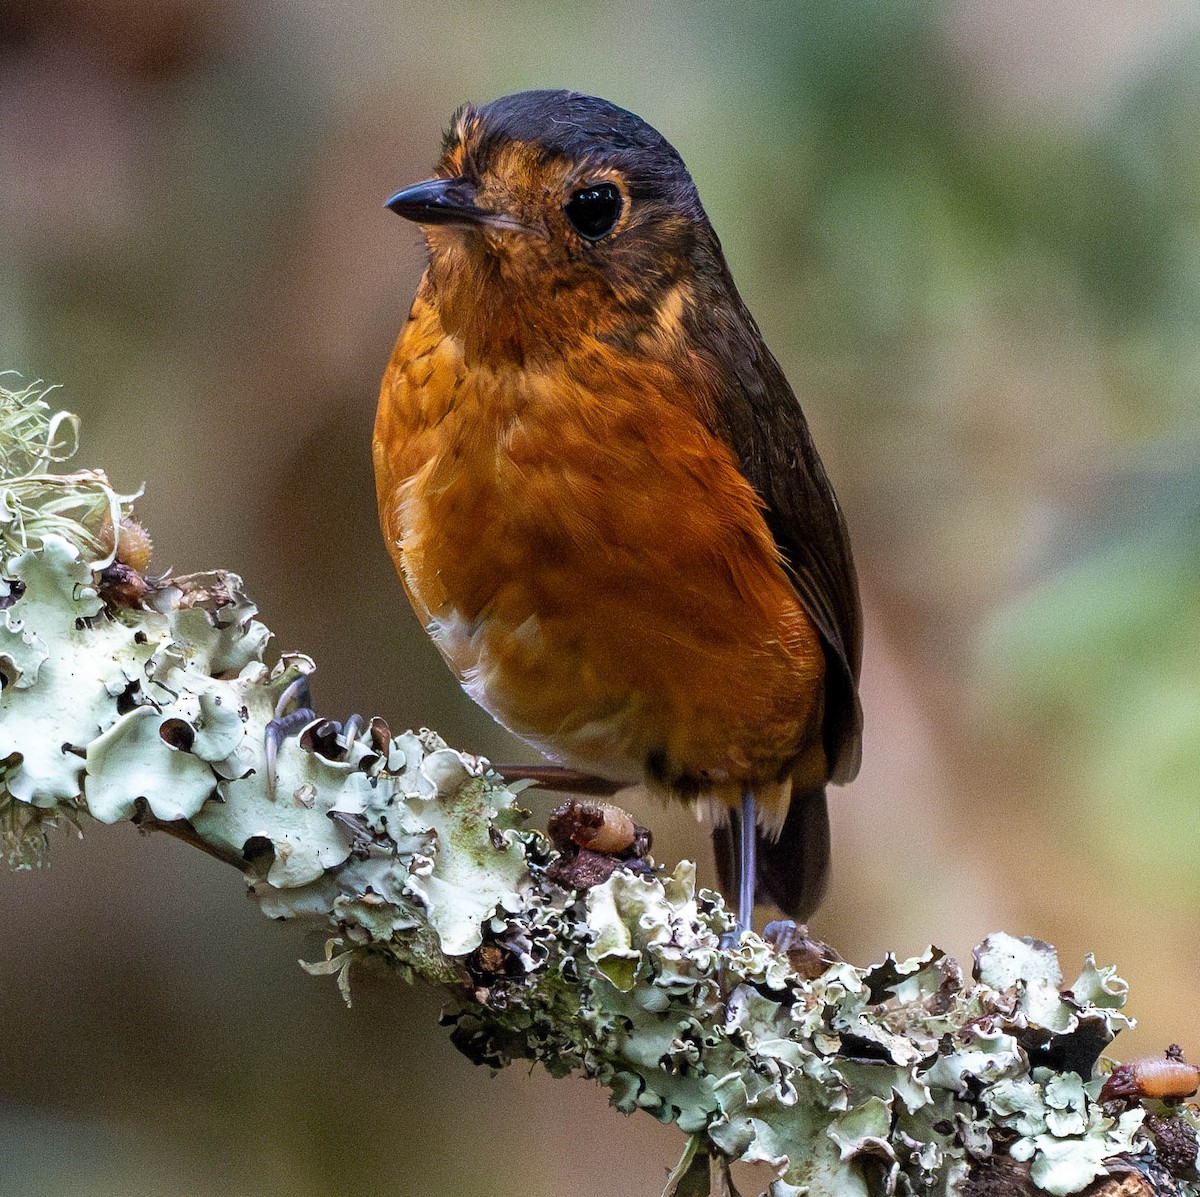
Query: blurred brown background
{"type": "Point", "coordinates": [970, 232]}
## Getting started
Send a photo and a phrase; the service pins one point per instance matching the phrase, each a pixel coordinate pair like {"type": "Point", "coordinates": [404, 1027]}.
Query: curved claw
{"type": "Point", "coordinates": [276, 732]}
{"type": "Point", "coordinates": [331, 738]}
{"type": "Point", "coordinates": [326, 737]}
{"type": "Point", "coordinates": [352, 729]}
{"type": "Point", "coordinates": [284, 725]}
{"type": "Point", "coordinates": [297, 691]}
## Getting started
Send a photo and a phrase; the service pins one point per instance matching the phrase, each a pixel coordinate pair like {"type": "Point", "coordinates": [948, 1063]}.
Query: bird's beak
{"type": "Point", "coordinates": [446, 201]}
{"type": "Point", "coordinates": [438, 201]}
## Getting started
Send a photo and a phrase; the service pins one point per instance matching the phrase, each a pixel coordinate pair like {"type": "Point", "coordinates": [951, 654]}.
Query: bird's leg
{"type": "Point", "coordinates": [744, 852]}
{"type": "Point", "coordinates": [747, 843]}
{"type": "Point", "coordinates": [746, 862]}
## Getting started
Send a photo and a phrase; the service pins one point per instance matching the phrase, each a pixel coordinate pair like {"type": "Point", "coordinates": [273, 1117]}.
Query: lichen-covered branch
{"type": "Point", "coordinates": [149, 700]}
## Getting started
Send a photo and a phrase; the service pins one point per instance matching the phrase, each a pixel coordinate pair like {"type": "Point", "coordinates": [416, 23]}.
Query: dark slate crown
{"type": "Point", "coordinates": [577, 127]}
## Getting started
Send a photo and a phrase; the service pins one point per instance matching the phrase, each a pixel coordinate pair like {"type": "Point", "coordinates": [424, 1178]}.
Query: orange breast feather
{"type": "Point", "coordinates": [589, 559]}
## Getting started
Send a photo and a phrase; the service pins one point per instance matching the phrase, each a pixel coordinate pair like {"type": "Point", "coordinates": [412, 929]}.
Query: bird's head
{"type": "Point", "coordinates": [554, 217]}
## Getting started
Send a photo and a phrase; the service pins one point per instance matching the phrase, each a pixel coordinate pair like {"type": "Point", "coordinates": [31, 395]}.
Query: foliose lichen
{"type": "Point", "coordinates": [902, 1077]}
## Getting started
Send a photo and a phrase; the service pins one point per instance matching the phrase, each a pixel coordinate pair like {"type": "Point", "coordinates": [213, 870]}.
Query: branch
{"type": "Point", "coordinates": [128, 698]}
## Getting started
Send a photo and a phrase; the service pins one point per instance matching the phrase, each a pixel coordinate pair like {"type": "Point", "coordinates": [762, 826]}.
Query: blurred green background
{"type": "Point", "coordinates": [971, 233]}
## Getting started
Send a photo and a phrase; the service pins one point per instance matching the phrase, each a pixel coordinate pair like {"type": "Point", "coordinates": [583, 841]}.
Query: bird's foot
{"type": "Point", "coordinates": [809, 957]}
{"type": "Point", "coordinates": [782, 933]}
{"type": "Point", "coordinates": [730, 939]}
{"type": "Point", "coordinates": [293, 711]}
{"type": "Point", "coordinates": [329, 738]}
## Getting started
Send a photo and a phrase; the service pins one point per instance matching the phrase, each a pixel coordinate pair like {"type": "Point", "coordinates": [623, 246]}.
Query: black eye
{"type": "Point", "coordinates": [594, 211]}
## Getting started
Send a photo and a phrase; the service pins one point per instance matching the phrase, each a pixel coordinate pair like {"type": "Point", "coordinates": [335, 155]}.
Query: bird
{"type": "Point", "coordinates": [601, 493]}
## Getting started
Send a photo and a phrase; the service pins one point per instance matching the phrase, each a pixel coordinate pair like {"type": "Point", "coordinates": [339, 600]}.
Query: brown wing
{"type": "Point", "coordinates": [762, 421]}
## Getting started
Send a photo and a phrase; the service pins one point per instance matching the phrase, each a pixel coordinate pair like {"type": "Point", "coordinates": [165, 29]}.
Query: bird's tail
{"type": "Point", "coordinates": [793, 867]}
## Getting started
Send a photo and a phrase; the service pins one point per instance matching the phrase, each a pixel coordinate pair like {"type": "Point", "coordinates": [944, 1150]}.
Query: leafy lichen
{"type": "Point", "coordinates": [902, 1077]}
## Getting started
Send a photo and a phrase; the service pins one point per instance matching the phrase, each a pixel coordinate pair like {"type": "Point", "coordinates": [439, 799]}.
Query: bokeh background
{"type": "Point", "coordinates": [971, 233]}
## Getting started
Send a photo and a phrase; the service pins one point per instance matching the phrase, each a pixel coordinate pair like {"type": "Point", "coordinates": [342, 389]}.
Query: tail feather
{"type": "Point", "coordinates": [793, 868]}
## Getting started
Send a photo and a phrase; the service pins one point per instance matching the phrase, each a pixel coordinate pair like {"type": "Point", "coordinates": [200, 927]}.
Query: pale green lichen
{"type": "Point", "coordinates": [64, 665]}
{"type": "Point", "coordinates": [898, 1078]}
{"type": "Point", "coordinates": [80, 507]}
